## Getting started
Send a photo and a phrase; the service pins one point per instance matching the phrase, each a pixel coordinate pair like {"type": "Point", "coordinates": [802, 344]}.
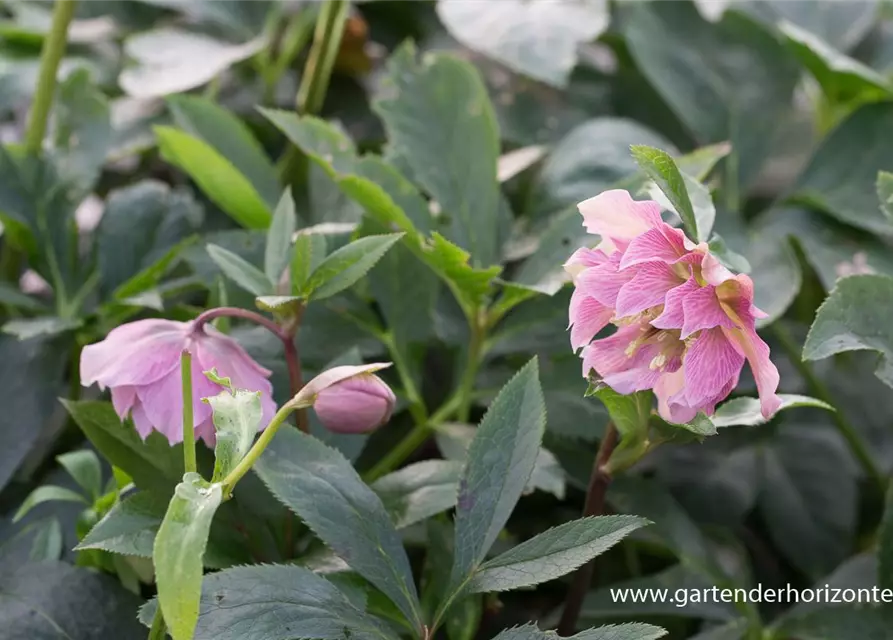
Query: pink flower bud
{"type": "Point", "coordinates": [359, 404]}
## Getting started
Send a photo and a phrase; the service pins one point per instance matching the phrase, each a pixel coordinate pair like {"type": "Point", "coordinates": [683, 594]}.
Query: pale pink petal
{"type": "Point", "coordinates": [133, 354]}
{"type": "Point", "coordinates": [673, 316]}
{"type": "Point", "coordinates": [713, 271]}
{"type": "Point", "coordinates": [669, 391]}
{"type": "Point", "coordinates": [647, 289]}
{"type": "Point", "coordinates": [702, 310]}
{"type": "Point", "coordinates": [205, 431]}
{"type": "Point", "coordinates": [587, 317]}
{"type": "Point", "coordinates": [583, 258]}
{"type": "Point", "coordinates": [663, 244]}
{"type": "Point", "coordinates": [141, 420]}
{"type": "Point", "coordinates": [614, 215]}
{"type": "Point", "coordinates": [604, 282]}
{"type": "Point", "coordinates": [162, 404]}
{"type": "Point", "coordinates": [752, 347]}
{"type": "Point", "coordinates": [709, 364]}
{"type": "Point", "coordinates": [623, 369]}
{"type": "Point", "coordinates": [123, 399]}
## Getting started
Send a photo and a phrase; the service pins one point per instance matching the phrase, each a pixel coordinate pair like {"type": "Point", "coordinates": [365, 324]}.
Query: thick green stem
{"type": "Point", "coordinates": [50, 57]}
{"type": "Point", "coordinates": [158, 631]}
{"type": "Point", "coordinates": [188, 421]}
{"type": "Point", "coordinates": [466, 384]}
{"type": "Point", "coordinates": [818, 389]}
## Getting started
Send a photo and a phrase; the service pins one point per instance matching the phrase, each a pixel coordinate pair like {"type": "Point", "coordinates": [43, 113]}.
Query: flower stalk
{"type": "Point", "coordinates": [189, 464]}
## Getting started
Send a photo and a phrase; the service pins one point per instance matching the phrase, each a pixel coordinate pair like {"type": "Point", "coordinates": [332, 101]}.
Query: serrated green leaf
{"type": "Point", "coordinates": [470, 285]}
{"type": "Point", "coordinates": [84, 467]}
{"type": "Point", "coordinates": [322, 487]}
{"type": "Point", "coordinates": [660, 167]}
{"type": "Point", "coordinates": [278, 601]}
{"type": "Point", "coordinates": [553, 553]}
{"type": "Point", "coordinates": [47, 493]}
{"type": "Point", "coordinates": [200, 117]}
{"type": "Point", "coordinates": [342, 268]}
{"type": "Point", "coordinates": [500, 461]}
{"type": "Point", "coordinates": [282, 228]}
{"type": "Point", "coordinates": [240, 271]}
{"type": "Point", "coordinates": [419, 491]}
{"type": "Point", "coordinates": [746, 411]}
{"type": "Point", "coordinates": [855, 316]}
{"type": "Point", "coordinates": [179, 549]}
{"type": "Point", "coordinates": [216, 176]}
{"type": "Point", "coordinates": [456, 162]}
{"type": "Point", "coordinates": [129, 528]}
{"type": "Point", "coordinates": [309, 251]}
{"type": "Point", "coordinates": [237, 416]}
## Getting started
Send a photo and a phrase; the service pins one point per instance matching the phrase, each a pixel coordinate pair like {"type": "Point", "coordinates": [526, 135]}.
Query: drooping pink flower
{"type": "Point", "coordinates": [140, 363]}
{"type": "Point", "coordinates": [685, 322]}
{"type": "Point", "coordinates": [358, 404]}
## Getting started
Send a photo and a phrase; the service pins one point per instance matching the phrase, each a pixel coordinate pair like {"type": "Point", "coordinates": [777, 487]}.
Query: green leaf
{"type": "Point", "coordinates": [240, 271]}
{"type": "Point", "coordinates": [279, 601]}
{"type": "Point", "coordinates": [322, 487]}
{"type": "Point", "coordinates": [842, 25]}
{"type": "Point", "coordinates": [632, 631]}
{"type": "Point", "coordinates": [152, 464]}
{"type": "Point", "coordinates": [309, 252]}
{"type": "Point", "coordinates": [839, 623]}
{"type": "Point", "coordinates": [27, 328]}
{"type": "Point", "coordinates": [842, 174]}
{"type": "Point", "coordinates": [539, 39]}
{"type": "Point", "coordinates": [129, 528]}
{"type": "Point", "coordinates": [237, 416]}
{"type": "Point", "coordinates": [276, 253]}
{"type": "Point", "coordinates": [471, 286]}
{"type": "Point", "coordinates": [706, 74]}
{"type": "Point", "coordinates": [47, 493]}
{"type": "Point", "coordinates": [11, 295]}
{"type": "Point", "coordinates": [842, 78]}
{"type": "Point", "coordinates": [885, 545]}
{"type": "Point", "coordinates": [746, 411]}
{"type": "Point", "coordinates": [500, 462]}
{"type": "Point", "coordinates": [553, 553]}
{"type": "Point", "coordinates": [342, 268]}
{"type": "Point", "coordinates": [220, 128]}
{"type": "Point", "coordinates": [885, 192]}
{"type": "Point", "coordinates": [453, 159]}
{"type": "Point", "coordinates": [47, 543]}
{"type": "Point", "coordinates": [729, 258]}
{"type": "Point", "coordinates": [84, 467]}
{"type": "Point", "coordinates": [418, 491]}
{"type": "Point", "coordinates": [216, 176]}
{"type": "Point", "coordinates": [855, 316]}
{"type": "Point", "coordinates": [660, 167]}
{"type": "Point", "coordinates": [179, 549]}
{"type": "Point", "coordinates": [83, 130]}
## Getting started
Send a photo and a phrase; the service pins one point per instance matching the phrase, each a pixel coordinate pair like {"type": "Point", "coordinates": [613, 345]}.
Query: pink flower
{"type": "Point", "coordinates": [358, 404]}
{"type": "Point", "coordinates": [140, 363]}
{"type": "Point", "coordinates": [685, 322]}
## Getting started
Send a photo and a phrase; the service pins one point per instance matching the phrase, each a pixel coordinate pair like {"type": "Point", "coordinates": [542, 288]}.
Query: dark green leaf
{"type": "Point", "coordinates": [240, 271]}
{"type": "Point", "coordinates": [885, 192]}
{"type": "Point", "coordinates": [27, 328]}
{"type": "Point", "coordinates": [47, 493]}
{"type": "Point", "coordinates": [179, 549]}
{"type": "Point", "coordinates": [323, 488]}
{"type": "Point", "coordinates": [839, 623]}
{"type": "Point", "coordinates": [47, 543]}
{"type": "Point", "coordinates": [419, 491]}
{"type": "Point", "coordinates": [342, 268]}
{"type": "Point", "coordinates": [83, 131]}
{"type": "Point", "coordinates": [841, 24]}
{"type": "Point", "coordinates": [129, 528]}
{"type": "Point", "coordinates": [84, 467]}
{"type": "Point", "coordinates": [10, 294]}
{"type": "Point", "coordinates": [500, 462]}
{"type": "Point", "coordinates": [454, 159]}
{"type": "Point", "coordinates": [276, 253]}
{"type": "Point", "coordinates": [216, 176]}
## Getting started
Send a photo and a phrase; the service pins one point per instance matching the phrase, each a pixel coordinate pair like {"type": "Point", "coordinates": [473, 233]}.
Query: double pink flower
{"type": "Point", "coordinates": [685, 323]}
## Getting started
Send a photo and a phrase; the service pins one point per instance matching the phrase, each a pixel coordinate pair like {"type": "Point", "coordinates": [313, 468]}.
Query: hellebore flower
{"type": "Point", "coordinates": [358, 404]}
{"type": "Point", "coordinates": [685, 322]}
{"type": "Point", "coordinates": [140, 363]}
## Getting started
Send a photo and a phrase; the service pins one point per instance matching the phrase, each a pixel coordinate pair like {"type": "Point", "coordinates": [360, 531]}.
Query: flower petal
{"type": "Point", "coordinates": [702, 310]}
{"type": "Point", "coordinates": [624, 371]}
{"type": "Point", "coordinates": [673, 316]}
{"type": "Point", "coordinates": [671, 399]}
{"type": "Point", "coordinates": [661, 244]}
{"type": "Point", "coordinates": [604, 282]}
{"type": "Point", "coordinates": [765, 373]}
{"type": "Point", "coordinates": [647, 289]}
{"type": "Point", "coordinates": [587, 317]}
{"type": "Point", "coordinates": [583, 258]}
{"type": "Point", "coordinates": [709, 364]}
{"type": "Point", "coordinates": [123, 399]}
{"type": "Point", "coordinates": [614, 215]}
{"type": "Point", "coordinates": [141, 420]}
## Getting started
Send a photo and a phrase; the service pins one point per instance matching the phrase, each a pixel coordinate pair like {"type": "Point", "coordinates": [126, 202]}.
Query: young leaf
{"type": "Point", "coordinates": [553, 553]}
{"type": "Point", "coordinates": [310, 250]}
{"type": "Point", "coordinates": [47, 493]}
{"type": "Point", "coordinates": [84, 467]}
{"type": "Point", "coordinates": [237, 416]}
{"type": "Point", "coordinates": [746, 411]}
{"type": "Point", "coordinates": [279, 237]}
{"type": "Point", "coordinates": [322, 487]}
{"type": "Point", "coordinates": [469, 285]}
{"type": "Point", "coordinates": [240, 271]}
{"type": "Point", "coordinates": [344, 267]}
{"type": "Point", "coordinates": [419, 491]}
{"type": "Point", "coordinates": [179, 549]}
{"type": "Point", "coordinates": [500, 462]}
{"type": "Point", "coordinates": [855, 316]}
{"type": "Point", "coordinates": [129, 528]}
{"type": "Point", "coordinates": [660, 167]}
{"type": "Point", "coordinates": [216, 176]}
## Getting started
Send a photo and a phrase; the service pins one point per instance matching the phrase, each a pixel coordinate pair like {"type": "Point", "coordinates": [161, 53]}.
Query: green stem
{"type": "Point", "coordinates": [159, 628]}
{"type": "Point", "coordinates": [411, 441]}
{"type": "Point", "coordinates": [818, 389]}
{"type": "Point", "coordinates": [188, 421]}
{"type": "Point", "coordinates": [50, 57]}
{"type": "Point", "coordinates": [254, 453]}
{"type": "Point", "coordinates": [416, 403]}
{"type": "Point", "coordinates": [466, 384]}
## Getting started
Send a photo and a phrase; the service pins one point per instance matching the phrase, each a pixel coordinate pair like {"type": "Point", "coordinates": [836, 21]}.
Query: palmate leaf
{"type": "Point", "coordinates": [322, 487]}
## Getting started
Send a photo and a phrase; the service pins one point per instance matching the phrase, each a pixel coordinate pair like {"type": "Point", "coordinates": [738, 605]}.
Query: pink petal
{"type": "Point", "coordinates": [647, 289]}
{"type": "Point", "coordinates": [714, 272]}
{"type": "Point", "coordinates": [748, 343]}
{"type": "Point", "coordinates": [702, 310]}
{"type": "Point", "coordinates": [670, 398]}
{"type": "Point", "coordinates": [133, 354]}
{"type": "Point", "coordinates": [614, 215]}
{"type": "Point", "coordinates": [141, 421]}
{"type": "Point", "coordinates": [583, 258]}
{"type": "Point", "coordinates": [123, 399]}
{"type": "Point", "coordinates": [604, 282]}
{"type": "Point", "coordinates": [709, 364]}
{"type": "Point", "coordinates": [673, 316]}
{"type": "Point", "coordinates": [587, 317]}
{"type": "Point", "coordinates": [623, 372]}
{"type": "Point", "coordinates": [663, 243]}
